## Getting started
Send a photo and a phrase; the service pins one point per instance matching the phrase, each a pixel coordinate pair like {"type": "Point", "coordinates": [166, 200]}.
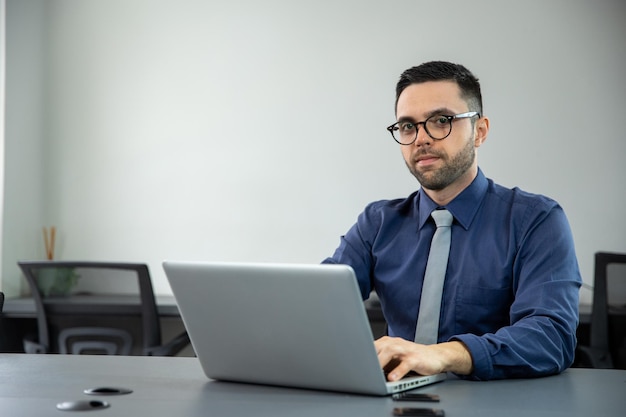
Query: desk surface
{"type": "Point", "coordinates": [114, 304]}
{"type": "Point", "coordinates": [24, 307]}
{"type": "Point", "coordinates": [32, 385]}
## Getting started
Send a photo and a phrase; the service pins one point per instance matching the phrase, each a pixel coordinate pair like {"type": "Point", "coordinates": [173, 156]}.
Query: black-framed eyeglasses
{"type": "Point", "coordinates": [437, 126]}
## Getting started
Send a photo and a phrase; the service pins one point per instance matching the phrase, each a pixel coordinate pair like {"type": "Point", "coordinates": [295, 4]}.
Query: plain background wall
{"type": "Point", "coordinates": [2, 114]}
{"type": "Point", "coordinates": [255, 131]}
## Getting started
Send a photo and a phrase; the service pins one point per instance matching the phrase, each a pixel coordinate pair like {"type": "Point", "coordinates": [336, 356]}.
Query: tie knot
{"type": "Point", "coordinates": [443, 218]}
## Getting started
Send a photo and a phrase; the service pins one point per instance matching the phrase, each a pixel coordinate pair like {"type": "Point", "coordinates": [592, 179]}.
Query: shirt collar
{"type": "Point", "coordinates": [464, 206]}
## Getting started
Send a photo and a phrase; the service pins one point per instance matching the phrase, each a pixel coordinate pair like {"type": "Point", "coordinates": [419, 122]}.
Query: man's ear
{"type": "Point", "coordinates": [481, 130]}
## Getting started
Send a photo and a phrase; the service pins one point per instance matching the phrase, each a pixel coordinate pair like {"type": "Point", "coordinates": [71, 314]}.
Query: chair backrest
{"type": "Point", "coordinates": [1, 301]}
{"type": "Point", "coordinates": [599, 331]}
{"type": "Point", "coordinates": [151, 328]}
{"type": "Point", "coordinates": [95, 340]}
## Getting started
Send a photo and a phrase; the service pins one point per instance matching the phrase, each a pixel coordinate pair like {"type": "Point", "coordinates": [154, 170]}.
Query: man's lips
{"type": "Point", "coordinates": [423, 160]}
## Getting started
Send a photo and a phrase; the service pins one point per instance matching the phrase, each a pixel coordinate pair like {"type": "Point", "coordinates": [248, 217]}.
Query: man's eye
{"type": "Point", "coordinates": [407, 127]}
{"type": "Point", "coordinates": [440, 120]}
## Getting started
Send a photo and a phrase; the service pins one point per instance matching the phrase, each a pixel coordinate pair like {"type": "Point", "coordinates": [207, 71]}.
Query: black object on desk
{"type": "Point", "coordinates": [418, 412]}
{"type": "Point", "coordinates": [95, 339]}
{"type": "Point", "coordinates": [416, 396]}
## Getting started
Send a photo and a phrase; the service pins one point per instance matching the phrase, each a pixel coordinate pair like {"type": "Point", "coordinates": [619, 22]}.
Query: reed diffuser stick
{"type": "Point", "coordinates": [49, 243]}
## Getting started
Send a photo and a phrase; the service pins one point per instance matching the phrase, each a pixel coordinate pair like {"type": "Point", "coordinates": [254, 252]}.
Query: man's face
{"type": "Point", "coordinates": [438, 164]}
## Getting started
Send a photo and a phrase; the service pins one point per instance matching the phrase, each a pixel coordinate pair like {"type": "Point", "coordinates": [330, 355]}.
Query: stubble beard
{"type": "Point", "coordinates": [452, 169]}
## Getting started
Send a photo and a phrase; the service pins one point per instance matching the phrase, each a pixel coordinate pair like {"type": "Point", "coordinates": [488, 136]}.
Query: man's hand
{"type": "Point", "coordinates": [399, 357]}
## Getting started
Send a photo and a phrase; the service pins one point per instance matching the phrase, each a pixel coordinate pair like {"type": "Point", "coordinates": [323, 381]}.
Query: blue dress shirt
{"type": "Point", "coordinates": [512, 282]}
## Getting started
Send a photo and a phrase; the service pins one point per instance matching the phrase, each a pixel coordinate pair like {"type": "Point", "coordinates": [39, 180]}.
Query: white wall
{"type": "Point", "coordinates": [219, 130]}
{"type": "Point", "coordinates": [24, 177]}
{"type": "Point", "coordinates": [2, 114]}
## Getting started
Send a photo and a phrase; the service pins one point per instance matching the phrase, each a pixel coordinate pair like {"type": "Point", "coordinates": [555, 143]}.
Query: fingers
{"type": "Point", "coordinates": [394, 356]}
{"type": "Point", "coordinates": [398, 357]}
{"type": "Point", "coordinates": [399, 371]}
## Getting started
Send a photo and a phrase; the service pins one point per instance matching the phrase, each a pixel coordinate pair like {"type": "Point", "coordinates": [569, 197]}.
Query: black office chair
{"type": "Point", "coordinates": [1, 301]}
{"type": "Point", "coordinates": [601, 342]}
{"type": "Point", "coordinates": [94, 339]}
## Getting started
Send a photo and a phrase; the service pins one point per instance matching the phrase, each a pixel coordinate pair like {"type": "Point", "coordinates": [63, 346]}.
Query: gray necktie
{"type": "Point", "coordinates": [427, 329]}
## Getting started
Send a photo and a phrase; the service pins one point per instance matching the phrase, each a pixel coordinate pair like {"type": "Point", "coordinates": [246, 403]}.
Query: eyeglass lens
{"type": "Point", "coordinates": [437, 127]}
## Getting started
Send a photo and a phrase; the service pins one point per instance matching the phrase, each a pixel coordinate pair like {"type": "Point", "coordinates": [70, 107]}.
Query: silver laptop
{"type": "Point", "coordinates": [290, 325]}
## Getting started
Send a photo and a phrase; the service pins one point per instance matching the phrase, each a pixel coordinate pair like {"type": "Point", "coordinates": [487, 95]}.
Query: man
{"type": "Point", "coordinates": [510, 296]}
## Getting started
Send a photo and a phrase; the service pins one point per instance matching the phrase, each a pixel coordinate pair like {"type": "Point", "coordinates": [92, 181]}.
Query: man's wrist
{"type": "Point", "coordinates": [457, 358]}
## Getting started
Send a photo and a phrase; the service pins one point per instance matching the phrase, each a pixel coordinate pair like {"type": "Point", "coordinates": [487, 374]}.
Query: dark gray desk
{"type": "Point", "coordinates": [32, 385]}
{"type": "Point", "coordinates": [116, 304]}
{"type": "Point", "coordinates": [103, 304]}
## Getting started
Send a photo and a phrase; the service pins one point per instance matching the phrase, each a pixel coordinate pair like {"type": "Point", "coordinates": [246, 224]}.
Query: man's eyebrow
{"type": "Point", "coordinates": [406, 119]}
{"type": "Point", "coordinates": [441, 110]}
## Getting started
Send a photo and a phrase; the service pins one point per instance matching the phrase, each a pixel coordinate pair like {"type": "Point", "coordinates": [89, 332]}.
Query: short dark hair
{"type": "Point", "coordinates": [444, 71]}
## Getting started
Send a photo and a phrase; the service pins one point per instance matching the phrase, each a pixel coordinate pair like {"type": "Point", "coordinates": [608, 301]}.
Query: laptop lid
{"type": "Point", "coordinates": [293, 325]}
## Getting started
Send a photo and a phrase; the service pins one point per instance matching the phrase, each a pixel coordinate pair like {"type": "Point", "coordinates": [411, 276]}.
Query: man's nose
{"type": "Point", "coordinates": [422, 137]}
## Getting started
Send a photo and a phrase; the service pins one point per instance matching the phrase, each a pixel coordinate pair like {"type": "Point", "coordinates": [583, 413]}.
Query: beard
{"type": "Point", "coordinates": [452, 169]}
